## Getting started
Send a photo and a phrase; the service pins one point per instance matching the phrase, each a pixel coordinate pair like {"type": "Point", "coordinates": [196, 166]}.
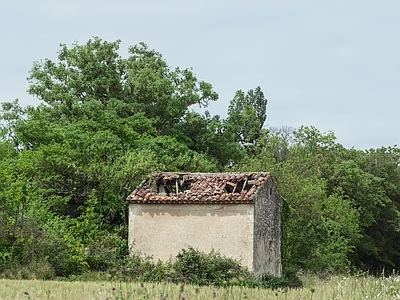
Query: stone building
{"type": "Point", "coordinates": [236, 214]}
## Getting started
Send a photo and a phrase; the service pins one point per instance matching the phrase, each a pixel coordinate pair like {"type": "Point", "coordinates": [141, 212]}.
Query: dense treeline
{"type": "Point", "coordinates": [105, 122]}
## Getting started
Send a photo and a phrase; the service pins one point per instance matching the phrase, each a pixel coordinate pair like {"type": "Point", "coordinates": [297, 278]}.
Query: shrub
{"type": "Point", "coordinates": [35, 270]}
{"type": "Point", "coordinates": [137, 267]}
{"type": "Point", "coordinates": [289, 278]}
{"type": "Point", "coordinates": [194, 267]}
{"type": "Point", "coordinates": [191, 266]}
{"type": "Point", "coordinates": [107, 252]}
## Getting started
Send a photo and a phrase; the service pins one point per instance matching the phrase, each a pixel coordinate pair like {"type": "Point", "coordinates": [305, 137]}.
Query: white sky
{"type": "Point", "coordinates": [331, 64]}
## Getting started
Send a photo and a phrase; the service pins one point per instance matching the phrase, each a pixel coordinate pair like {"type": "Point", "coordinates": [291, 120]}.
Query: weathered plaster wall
{"type": "Point", "coordinates": [162, 230]}
{"type": "Point", "coordinates": [267, 230]}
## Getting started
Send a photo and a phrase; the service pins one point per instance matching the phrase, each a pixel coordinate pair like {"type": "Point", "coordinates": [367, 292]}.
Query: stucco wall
{"type": "Point", "coordinates": [267, 230]}
{"type": "Point", "coordinates": [163, 230]}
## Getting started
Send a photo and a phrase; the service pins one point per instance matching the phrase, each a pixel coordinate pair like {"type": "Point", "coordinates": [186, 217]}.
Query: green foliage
{"type": "Point", "coordinates": [105, 122]}
{"type": "Point", "coordinates": [289, 279]}
{"type": "Point", "coordinates": [329, 221]}
{"type": "Point", "coordinates": [191, 266]}
{"type": "Point", "coordinates": [33, 270]}
{"type": "Point", "coordinates": [95, 72]}
{"type": "Point", "coordinates": [160, 93]}
{"type": "Point", "coordinates": [169, 154]}
{"type": "Point", "coordinates": [198, 268]}
{"type": "Point", "coordinates": [20, 209]}
{"type": "Point", "coordinates": [210, 136]}
{"type": "Point", "coordinates": [140, 268]}
{"type": "Point", "coordinates": [68, 164]}
{"type": "Point", "coordinates": [247, 114]}
{"type": "Point", "coordinates": [194, 267]}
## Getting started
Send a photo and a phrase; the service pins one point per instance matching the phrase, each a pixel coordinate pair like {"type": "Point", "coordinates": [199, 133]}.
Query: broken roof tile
{"type": "Point", "coordinates": [186, 188]}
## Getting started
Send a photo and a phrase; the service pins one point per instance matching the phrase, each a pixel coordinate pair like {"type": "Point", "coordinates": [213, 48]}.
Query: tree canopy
{"type": "Point", "coordinates": [105, 121]}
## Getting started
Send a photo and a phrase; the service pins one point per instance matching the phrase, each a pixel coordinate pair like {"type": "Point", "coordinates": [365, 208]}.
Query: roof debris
{"type": "Point", "coordinates": [205, 188]}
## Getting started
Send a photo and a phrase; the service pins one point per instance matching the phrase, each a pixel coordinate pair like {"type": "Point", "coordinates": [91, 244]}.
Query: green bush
{"type": "Point", "coordinates": [108, 252]}
{"type": "Point", "coordinates": [35, 270]}
{"type": "Point", "coordinates": [194, 267]}
{"type": "Point", "coordinates": [289, 278]}
{"type": "Point", "coordinates": [140, 268]}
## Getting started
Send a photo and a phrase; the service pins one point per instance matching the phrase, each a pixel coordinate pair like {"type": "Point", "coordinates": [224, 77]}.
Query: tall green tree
{"type": "Point", "coordinates": [97, 109]}
{"type": "Point", "coordinates": [95, 72]}
{"type": "Point", "coordinates": [371, 180]}
{"type": "Point", "coordinates": [328, 221]}
{"type": "Point", "coordinates": [102, 125]}
{"type": "Point", "coordinates": [159, 92]}
{"type": "Point", "coordinates": [247, 114]}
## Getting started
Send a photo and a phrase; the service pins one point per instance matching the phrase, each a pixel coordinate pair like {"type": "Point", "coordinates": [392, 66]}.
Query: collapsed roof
{"type": "Point", "coordinates": [196, 188]}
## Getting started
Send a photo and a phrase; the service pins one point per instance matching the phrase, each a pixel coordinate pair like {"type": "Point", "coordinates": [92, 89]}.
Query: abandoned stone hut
{"type": "Point", "coordinates": [236, 214]}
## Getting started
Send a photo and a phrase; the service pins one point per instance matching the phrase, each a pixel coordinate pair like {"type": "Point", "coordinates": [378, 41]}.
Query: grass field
{"type": "Point", "coordinates": [335, 288]}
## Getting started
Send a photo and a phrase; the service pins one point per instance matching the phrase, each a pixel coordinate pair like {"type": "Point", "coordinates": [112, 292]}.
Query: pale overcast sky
{"type": "Point", "coordinates": [331, 64]}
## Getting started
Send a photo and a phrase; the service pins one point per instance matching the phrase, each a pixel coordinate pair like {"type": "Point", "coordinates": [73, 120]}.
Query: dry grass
{"type": "Point", "coordinates": [335, 288]}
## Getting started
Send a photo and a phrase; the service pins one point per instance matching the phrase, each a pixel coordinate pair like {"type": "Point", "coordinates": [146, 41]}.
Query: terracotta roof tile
{"type": "Point", "coordinates": [205, 188]}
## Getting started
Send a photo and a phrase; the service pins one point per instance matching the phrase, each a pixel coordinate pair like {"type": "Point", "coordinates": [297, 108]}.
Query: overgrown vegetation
{"type": "Point", "coordinates": [190, 266]}
{"type": "Point", "coordinates": [336, 287]}
{"type": "Point", "coordinates": [105, 122]}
